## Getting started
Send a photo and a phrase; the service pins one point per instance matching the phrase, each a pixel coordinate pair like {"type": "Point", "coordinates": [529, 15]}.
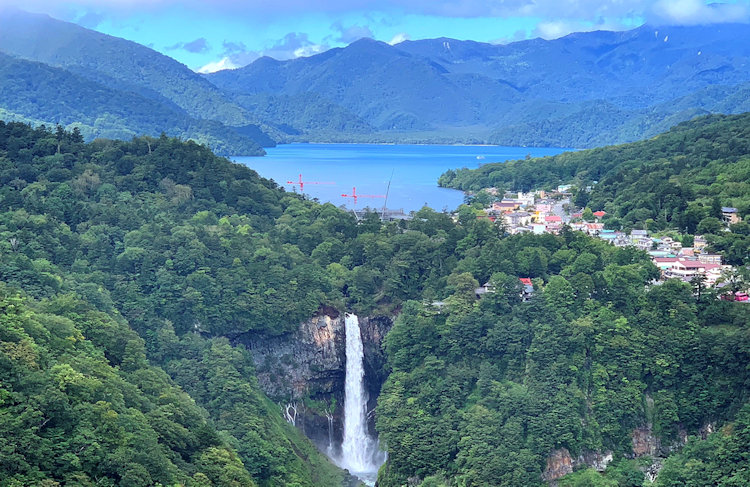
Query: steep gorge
{"type": "Point", "coordinates": [304, 371]}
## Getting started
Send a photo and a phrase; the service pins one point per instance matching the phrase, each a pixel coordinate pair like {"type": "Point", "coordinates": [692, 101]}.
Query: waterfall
{"type": "Point", "coordinates": [359, 451]}
{"type": "Point", "coordinates": [329, 450]}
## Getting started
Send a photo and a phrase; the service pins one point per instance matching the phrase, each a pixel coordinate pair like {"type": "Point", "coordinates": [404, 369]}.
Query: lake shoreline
{"type": "Point", "coordinates": [408, 173]}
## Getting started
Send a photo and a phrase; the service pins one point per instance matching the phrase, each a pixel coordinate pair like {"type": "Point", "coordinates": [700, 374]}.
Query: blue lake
{"type": "Point", "coordinates": [413, 171]}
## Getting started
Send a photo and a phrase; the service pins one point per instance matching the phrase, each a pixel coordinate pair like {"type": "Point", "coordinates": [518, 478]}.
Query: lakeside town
{"type": "Point", "coordinates": [541, 212]}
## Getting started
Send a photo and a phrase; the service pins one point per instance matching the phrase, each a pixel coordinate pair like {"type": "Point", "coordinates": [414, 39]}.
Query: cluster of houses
{"type": "Point", "coordinates": [527, 212]}
{"type": "Point", "coordinates": [673, 260]}
{"type": "Point", "coordinates": [538, 213]}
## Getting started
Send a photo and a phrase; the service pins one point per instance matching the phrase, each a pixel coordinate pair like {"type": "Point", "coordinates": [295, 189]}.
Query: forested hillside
{"type": "Point", "coordinates": [38, 93]}
{"type": "Point", "coordinates": [64, 224]}
{"type": "Point", "coordinates": [106, 242]}
{"type": "Point", "coordinates": [482, 393]}
{"type": "Point", "coordinates": [678, 180]}
{"type": "Point", "coordinates": [120, 64]}
{"type": "Point", "coordinates": [57, 72]}
{"type": "Point", "coordinates": [80, 405]}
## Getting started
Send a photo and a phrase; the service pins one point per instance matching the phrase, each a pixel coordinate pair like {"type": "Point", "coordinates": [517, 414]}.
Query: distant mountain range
{"type": "Point", "coordinates": [113, 87]}
{"type": "Point", "coordinates": [582, 90]}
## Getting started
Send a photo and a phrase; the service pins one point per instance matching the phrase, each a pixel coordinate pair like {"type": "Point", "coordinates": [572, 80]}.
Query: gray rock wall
{"type": "Point", "coordinates": [307, 367]}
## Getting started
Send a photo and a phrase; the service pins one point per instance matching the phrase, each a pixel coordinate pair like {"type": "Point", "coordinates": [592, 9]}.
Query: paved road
{"type": "Point", "coordinates": [557, 209]}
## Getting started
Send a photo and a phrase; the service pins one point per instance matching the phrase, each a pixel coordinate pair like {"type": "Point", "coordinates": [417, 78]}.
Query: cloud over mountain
{"type": "Point", "coordinates": [347, 35]}
{"type": "Point", "coordinates": [197, 46]}
{"type": "Point", "coordinates": [237, 54]}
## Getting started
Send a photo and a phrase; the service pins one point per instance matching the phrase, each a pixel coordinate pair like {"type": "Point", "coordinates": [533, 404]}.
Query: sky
{"type": "Point", "coordinates": [220, 34]}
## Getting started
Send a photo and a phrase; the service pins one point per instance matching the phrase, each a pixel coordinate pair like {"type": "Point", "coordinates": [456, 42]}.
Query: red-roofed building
{"type": "Point", "coordinates": [553, 219]}
{"type": "Point", "coordinates": [686, 269]}
{"type": "Point", "coordinates": [664, 262]}
{"type": "Point", "coordinates": [599, 213]}
{"type": "Point", "coordinates": [528, 288]}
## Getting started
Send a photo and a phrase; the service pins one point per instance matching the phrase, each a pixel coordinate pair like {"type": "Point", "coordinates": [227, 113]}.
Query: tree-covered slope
{"type": "Point", "coordinates": [80, 405]}
{"type": "Point", "coordinates": [485, 393]}
{"type": "Point", "coordinates": [138, 76]}
{"type": "Point", "coordinates": [71, 240]}
{"type": "Point", "coordinates": [40, 93]}
{"type": "Point", "coordinates": [115, 62]}
{"type": "Point", "coordinates": [704, 139]}
{"type": "Point", "coordinates": [188, 249]}
{"type": "Point", "coordinates": [678, 180]}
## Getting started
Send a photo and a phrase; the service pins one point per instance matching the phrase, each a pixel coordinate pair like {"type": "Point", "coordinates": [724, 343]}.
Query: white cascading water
{"type": "Point", "coordinates": [329, 450]}
{"type": "Point", "coordinates": [359, 451]}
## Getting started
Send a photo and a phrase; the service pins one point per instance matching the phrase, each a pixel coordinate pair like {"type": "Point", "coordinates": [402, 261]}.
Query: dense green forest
{"type": "Point", "coordinates": [187, 247]}
{"type": "Point", "coordinates": [480, 393]}
{"type": "Point", "coordinates": [126, 264]}
{"type": "Point", "coordinates": [80, 404]}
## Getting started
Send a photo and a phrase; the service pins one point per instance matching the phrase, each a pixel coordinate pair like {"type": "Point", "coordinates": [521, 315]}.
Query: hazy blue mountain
{"type": "Point", "coordinates": [38, 93]}
{"type": "Point", "coordinates": [387, 88]}
{"type": "Point", "coordinates": [120, 63]}
{"type": "Point", "coordinates": [632, 68]}
{"type": "Point", "coordinates": [581, 90]}
{"type": "Point", "coordinates": [151, 79]}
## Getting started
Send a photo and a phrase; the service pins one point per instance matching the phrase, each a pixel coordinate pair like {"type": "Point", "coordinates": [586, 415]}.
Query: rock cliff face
{"type": "Point", "coordinates": [309, 364]}
{"type": "Point", "coordinates": [561, 463]}
{"type": "Point", "coordinates": [645, 444]}
{"type": "Point", "coordinates": [306, 363]}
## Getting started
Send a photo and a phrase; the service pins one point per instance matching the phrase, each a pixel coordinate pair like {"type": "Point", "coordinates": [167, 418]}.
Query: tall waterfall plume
{"type": "Point", "coordinates": [359, 451]}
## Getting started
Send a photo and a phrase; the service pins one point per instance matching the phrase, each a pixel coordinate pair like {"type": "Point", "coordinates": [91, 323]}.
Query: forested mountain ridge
{"type": "Point", "coordinates": [140, 79]}
{"type": "Point", "coordinates": [116, 62]}
{"type": "Point", "coordinates": [561, 93]}
{"type": "Point", "coordinates": [80, 405]}
{"type": "Point", "coordinates": [100, 111]}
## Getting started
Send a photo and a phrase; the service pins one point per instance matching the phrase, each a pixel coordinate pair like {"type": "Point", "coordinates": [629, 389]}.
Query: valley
{"type": "Point", "coordinates": [399, 279]}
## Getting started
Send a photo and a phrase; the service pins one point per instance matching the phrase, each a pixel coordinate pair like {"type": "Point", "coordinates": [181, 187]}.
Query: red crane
{"type": "Point", "coordinates": [354, 195]}
{"type": "Point", "coordinates": [303, 183]}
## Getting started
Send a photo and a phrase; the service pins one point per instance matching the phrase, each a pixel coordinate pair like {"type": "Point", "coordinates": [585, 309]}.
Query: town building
{"type": "Point", "coordinates": [730, 215]}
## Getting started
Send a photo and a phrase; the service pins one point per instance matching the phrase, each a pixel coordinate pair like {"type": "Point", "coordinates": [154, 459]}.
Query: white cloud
{"type": "Point", "coordinates": [310, 50]}
{"type": "Point", "coordinates": [559, 28]}
{"type": "Point", "coordinates": [692, 12]}
{"type": "Point", "coordinates": [554, 29]}
{"type": "Point", "coordinates": [399, 38]}
{"type": "Point", "coordinates": [292, 45]}
{"type": "Point", "coordinates": [224, 63]}
{"type": "Point", "coordinates": [347, 35]}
